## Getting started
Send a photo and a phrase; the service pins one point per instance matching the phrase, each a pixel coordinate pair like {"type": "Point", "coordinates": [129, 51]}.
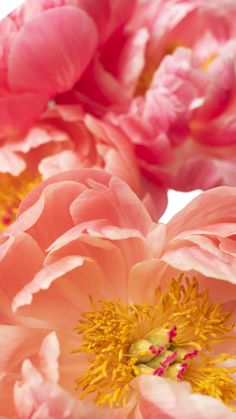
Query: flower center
{"type": "Point", "coordinates": [145, 79]}
{"type": "Point", "coordinates": [172, 338]}
{"type": "Point", "coordinates": [13, 190]}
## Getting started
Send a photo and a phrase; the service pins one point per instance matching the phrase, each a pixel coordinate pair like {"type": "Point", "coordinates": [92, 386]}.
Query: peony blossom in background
{"type": "Point", "coordinates": [169, 86]}
{"type": "Point", "coordinates": [160, 74]}
{"type": "Point", "coordinates": [100, 315]}
{"type": "Point", "coordinates": [66, 138]}
{"type": "Point", "coordinates": [36, 144]}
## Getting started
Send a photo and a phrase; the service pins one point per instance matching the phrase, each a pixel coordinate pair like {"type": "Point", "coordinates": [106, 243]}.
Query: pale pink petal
{"type": "Point", "coordinates": [14, 341]}
{"type": "Point", "coordinates": [36, 398]}
{"type": "Point", "coordinates": [10, 162]}
{"type": "Point", "coordinates": [170, 399]}
{"type": "Point", "coordinates": [66, 160]}
{"type": "Point", "coordinates": [132, 60]}
{"type": "Point", "coordinates": [48, 355]}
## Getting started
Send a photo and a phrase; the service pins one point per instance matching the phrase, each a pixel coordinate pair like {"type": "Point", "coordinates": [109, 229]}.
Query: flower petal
{"type": "Point", "coordinates": [51, 51]}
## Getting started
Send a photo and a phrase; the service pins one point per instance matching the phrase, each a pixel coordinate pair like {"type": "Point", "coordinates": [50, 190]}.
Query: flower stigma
{"type": "Point", "coordinates": [173, 337]}
{"type": "Point", "coordinates": [13, 190]}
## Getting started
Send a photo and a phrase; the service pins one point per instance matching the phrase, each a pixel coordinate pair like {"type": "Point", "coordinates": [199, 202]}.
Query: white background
{"type": "Point", "coordinates": [7, 6]}
{"type": "Point", "coordinates": [177, 201]}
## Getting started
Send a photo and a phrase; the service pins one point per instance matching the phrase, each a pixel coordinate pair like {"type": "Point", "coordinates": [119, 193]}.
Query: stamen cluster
{"type": "Point", "coordinates": [169, 338]}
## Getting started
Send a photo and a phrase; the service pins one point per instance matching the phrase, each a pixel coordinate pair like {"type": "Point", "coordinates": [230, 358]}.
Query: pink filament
{"type": "Point", "coordinates": [169, 360]}
{"type": "Point", "coordinates": [159, 371]}
{"type": "Point", "coordinates": [182, 371]}
{"type": "Point", "coordinates": [191, 355]}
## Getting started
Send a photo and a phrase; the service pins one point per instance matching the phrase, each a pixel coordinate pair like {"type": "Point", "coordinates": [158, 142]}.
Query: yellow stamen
{"type": "Point", "coordinates": [215, 381]}
{"type": "Point", "coordinates": [13, 190]}
{"type": "Point", "coordinates": [117, 337]}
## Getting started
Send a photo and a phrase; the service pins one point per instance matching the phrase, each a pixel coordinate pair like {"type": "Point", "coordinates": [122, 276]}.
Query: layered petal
{"type": "Point", "coordinates": [64, 52]}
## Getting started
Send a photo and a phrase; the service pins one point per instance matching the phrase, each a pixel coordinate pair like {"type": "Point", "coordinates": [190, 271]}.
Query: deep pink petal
{"type": "Point", "coordinates": [51, 51]}
{"type": "Point", "coordinates": [19, 112]}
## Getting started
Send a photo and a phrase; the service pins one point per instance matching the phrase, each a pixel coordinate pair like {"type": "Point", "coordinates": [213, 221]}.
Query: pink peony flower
{"type": "Point", "coordinates": [92, 318]}
{"type": "Point", "coordinates": [42, 54]}
{"type": "Point", "coordinates": [170, 93]}
{"type": "Point", "coordinates": [34, 64]}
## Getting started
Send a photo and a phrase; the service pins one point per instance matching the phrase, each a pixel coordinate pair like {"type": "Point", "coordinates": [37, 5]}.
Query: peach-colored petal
{"type": "Point", "coordinates": [39, 397]}
{"type": "Point", "coordinates": [100, 199]}
{"type": "Point", "coordinates": [38, 217]}
{"type": "Point", "coordinates": [103, 246]}
{"type": "Point", "coordinates": [14, 276]}
{"type": "Point", "coordinates": [14, 340]}
{"type": "Point", "coordinates": [196, 259]}
{"type": "Point", "coordinates": [202, 211]}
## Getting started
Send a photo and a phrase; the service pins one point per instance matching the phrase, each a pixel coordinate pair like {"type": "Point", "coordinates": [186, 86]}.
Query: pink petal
{"type": "Point", "coordinates": [18, 112]}
{"type": "Point", "coordinates": [109, 15]}
{"type": "Point", "coordinates": [164, 398]}
{"type": "Point", "coordinates": [51, 51]}
{"type": "Point", "coordinates": [48, 355]}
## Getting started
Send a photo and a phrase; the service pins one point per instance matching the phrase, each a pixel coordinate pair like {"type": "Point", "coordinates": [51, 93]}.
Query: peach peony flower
{"type": "Point", "coordinates": [64, 138]}
{"type": "Point", "coordinates": [92, 323]}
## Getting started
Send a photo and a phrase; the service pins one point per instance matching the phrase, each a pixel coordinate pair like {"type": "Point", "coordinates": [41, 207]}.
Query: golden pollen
{"type": "Point", "coordinates": [172, 338]}
{"type": "Point", "coordinates": [13, 190]}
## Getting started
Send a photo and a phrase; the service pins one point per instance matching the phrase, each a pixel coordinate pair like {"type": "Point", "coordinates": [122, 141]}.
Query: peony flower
{"type": "Point", "coordinates": [64, 138]}
{"type": "Point", "coordinates": [38, 59]}
{"type": "Point", "coordinates": [109, 315]}
{"type": "Point", "coordinates": [170, 93]}
{"type": "Point", "coordinates": [36, 68]}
